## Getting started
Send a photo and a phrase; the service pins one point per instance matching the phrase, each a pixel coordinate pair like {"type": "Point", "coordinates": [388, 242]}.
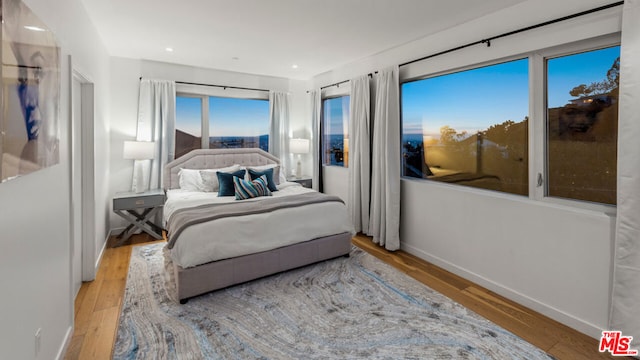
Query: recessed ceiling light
{"type": "Point", "coordinates": [33, 28]}
{"type": "Point", "coordinates": [168, 49]}
{"type": "Point", "coordinates": [294, 66]}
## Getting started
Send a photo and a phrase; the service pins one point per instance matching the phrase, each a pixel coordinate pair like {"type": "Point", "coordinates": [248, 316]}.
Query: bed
{"type": "Point", "coordinates": [215, 242]}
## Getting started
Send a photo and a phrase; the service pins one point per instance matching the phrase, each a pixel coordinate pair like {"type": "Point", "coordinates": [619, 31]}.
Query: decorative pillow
{"type": "Point", "coordinates": [277, 173]}
{"type": "Point", "coordinates": [190, 179]}
{"type": "Point", "coordinates": [226, 182]}
{"type": "Point", "coordinates": [250, 189]}
{"type": "Point", "coordinates": [268, 174]}
{"type": "Point", "coordinates": [210, 178]}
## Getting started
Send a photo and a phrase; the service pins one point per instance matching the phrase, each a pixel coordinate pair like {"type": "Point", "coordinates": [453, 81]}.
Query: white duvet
{"type": "Point", "coordinates": [236, 236]}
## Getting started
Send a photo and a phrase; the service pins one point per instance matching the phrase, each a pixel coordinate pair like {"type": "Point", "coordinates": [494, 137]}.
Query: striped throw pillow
{"type": "Point", "coordinates": [251, 189]}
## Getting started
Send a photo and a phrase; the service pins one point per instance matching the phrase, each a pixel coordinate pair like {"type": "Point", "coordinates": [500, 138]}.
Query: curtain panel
{"type": "Point", "coordinates": [384, 224]}
{"type": "Point", "coordinates": [316, 109]}
{"type": "Point", "coordinates": [359, 154]}
{"type": "Point", "coordinates": [156, 122]}
{"type": "Point", "coordinates": [625, 299]}
{"type": "Point", "coordinates": [279, 127]}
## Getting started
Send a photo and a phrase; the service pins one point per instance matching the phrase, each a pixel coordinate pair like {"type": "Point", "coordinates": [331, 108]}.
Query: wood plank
{"type": "Point", "coordinates": [73, 352]}
{"type": "Point", "coordinates": [574, 351]}
{"type": "Point", "coordinates": [515, 318]}
{"type": "Point", "coordinates": [110, 294]}
{"type": "Point", "coordinates": [98, 342]}
{"type": "Point", "coordinates": [87, 306]}
{"type": "Point", "coordinates": [79, 299]}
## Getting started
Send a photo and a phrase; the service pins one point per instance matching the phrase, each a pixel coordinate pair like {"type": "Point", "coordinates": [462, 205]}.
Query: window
{"type": "Point", "coordinates": [473, 127]}
{"type": "Point", "coordinates": [582, 125]}
{"type": "Point", "coordinates": [224, 123]}
{"type": "Point", "coordinates": [335, 131]}
{"type": "Point", "coordinates": [469, 128]}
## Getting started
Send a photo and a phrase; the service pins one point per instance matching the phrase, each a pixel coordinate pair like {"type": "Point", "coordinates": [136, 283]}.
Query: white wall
{"type": "Point", "coordinates": [35, 260]}
{"type": "Point", "coordinates": [334, 181]}
{"type": "Point", "coordinates": [125, 75]}
{"type": "Point", "coordinates": [554, 259]}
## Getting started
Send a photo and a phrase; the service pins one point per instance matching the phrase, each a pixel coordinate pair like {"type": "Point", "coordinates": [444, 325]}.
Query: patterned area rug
{"type": "Point", "coordinates": [345, 308]}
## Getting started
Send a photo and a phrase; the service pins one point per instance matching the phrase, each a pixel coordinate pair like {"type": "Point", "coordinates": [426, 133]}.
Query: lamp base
{"type": "Point", "coordinates": [138, 177]}
{"type": "Point", "coordinates": [298, 169]}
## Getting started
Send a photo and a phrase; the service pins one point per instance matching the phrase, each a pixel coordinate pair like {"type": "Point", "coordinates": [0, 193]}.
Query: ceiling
{"type": "Point", "coordinates": [270, 37]}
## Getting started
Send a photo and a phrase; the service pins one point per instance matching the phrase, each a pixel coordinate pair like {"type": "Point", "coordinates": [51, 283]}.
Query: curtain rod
{"type": "Point", "coordinates": [335, 84]}
{"type": "Point", "coordinates": [221, 86]}
{"type": "Point", "coordinates": [342, 82]}
{"type": "Point", "coordinates": [488, 40]}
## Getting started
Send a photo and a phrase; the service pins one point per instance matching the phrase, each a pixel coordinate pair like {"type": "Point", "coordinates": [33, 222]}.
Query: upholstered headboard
{"type": "Point", "coordinates": [215, 159]}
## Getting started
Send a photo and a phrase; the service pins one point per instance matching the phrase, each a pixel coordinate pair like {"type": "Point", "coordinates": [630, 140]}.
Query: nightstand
{"type": "Point", "coordinates": [138, 209]}
{"type": "Point", "coordinates": [304, 181]}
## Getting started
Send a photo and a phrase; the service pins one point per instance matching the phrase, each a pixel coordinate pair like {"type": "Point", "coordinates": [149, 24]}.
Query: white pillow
{"type": "Point", "coordinates": [277, 174]}
{"type": "Point", "coordinates": [190, 179]}
{"type": "Point", "coordinates": [209, 177]}
{"type": "Point", "coordinates": [283, 174]}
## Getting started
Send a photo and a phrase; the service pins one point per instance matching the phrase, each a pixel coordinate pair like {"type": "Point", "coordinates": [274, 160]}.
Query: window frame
{"type": "Point", "coordinates": [331, 93]}
{"type": "Point", "coordinates": [205, 92]}
{"type": "Point", "coordinates": [541, 193]}
{"type": "Point", "coordinates": [537, 131]}
{"type": "Point", "coordinates": [458, 70]}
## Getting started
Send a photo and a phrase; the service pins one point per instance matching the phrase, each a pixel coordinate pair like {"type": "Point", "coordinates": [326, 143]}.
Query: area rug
{"type": "Point", "coordinates": [345, 308]}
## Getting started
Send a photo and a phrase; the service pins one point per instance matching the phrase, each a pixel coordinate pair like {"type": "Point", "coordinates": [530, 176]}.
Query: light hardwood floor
{"type": "Point", "coordinates": [97, 305]}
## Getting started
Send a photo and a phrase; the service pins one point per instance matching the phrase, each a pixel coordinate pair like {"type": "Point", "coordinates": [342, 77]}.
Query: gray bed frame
{"type": "Point", "coordinates": [215, 275]}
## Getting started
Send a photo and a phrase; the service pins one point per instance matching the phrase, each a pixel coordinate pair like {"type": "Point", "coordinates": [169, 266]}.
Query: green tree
{"type": "Point", "coordinates": [608, 85]}
{"type": "Point", "coordinates": [448, 134]}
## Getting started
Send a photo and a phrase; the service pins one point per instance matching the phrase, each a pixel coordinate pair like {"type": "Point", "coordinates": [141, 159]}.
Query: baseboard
{"type": "Point", "coordinates": [533, 304]}
{"type": "Point", "coordinates": [65, 344]}
{"type": "Point", "coordinates": [116, 230]}
{"type": "Point", "coordinates": [104, 246]}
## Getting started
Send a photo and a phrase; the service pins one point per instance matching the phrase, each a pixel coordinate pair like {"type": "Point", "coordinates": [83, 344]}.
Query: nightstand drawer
{"type": "Point", "coordinates": [138, 201]}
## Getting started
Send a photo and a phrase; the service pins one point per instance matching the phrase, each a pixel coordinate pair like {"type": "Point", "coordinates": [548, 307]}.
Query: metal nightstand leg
{"type": "Point", "coordinates": [139, 221]}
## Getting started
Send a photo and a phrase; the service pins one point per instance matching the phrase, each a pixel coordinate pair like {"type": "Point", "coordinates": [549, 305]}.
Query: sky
{"type": "Point", "coordinates": [566, 72]}
{"type": "Point", "coordinates": [227, 116]}
{"type": "Point", "coordinates": [336, 115]}
{"type": "Point", "coordinates": [476, 99]}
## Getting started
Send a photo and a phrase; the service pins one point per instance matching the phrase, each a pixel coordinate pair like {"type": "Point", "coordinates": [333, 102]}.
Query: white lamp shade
{"type": "Point", "coordinates": [138, 150]}
{"type": "Point", "coordinates": [299, 146]}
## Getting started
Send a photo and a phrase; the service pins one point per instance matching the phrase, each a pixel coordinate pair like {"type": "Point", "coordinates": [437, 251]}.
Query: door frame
{"type": "Point", "coordinates": [87, 174]}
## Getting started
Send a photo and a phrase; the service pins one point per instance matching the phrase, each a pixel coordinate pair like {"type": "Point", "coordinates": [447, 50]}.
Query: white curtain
{"type": "Point", "coordinates": [359, 153]}
{"type": "Point", "coordinates": [625, 301]}
{"type": "Point", "coordinates": [156, 122]}
{"type": "Point", "coordinates": [384, 224]}
{"type": "Point", "coordinates": [279, 127]}
{"type": "Point", "coordinates": [316, 105]}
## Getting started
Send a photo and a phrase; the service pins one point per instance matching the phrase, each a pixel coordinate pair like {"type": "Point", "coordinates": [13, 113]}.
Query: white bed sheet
{"type": "Point", "coordinates": [236, 236]}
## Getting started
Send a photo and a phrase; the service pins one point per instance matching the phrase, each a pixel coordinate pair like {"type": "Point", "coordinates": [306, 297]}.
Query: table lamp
{"type": "Point", "coordinates": [299, 146]}
{"type": "Point", "coordinates": [138, 150]}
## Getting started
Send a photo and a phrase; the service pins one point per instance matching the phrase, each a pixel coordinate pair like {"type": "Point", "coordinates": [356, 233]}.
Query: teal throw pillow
{"type": "Point", "coordinates": [226, 182]}
{"type": "Point", "coordinates": [268, 173]}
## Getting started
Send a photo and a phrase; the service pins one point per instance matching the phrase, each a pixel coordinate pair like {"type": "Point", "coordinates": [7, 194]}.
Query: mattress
{"type": "Point", "coordinates": [236, 236]}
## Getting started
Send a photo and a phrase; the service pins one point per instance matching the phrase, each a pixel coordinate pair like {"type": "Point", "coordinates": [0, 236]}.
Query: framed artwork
{"type": "Point", "coordinates": [29, 129]}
